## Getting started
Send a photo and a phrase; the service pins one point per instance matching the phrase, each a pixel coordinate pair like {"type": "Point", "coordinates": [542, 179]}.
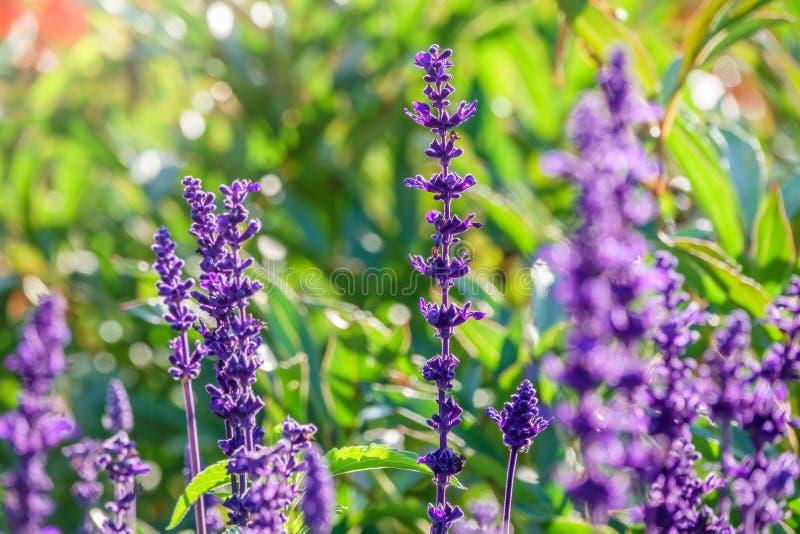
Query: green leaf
{"type": "Point", "coordinates": [737, 31]}
{"type": "Point", "coordinates": [772, 246]}
{"type": "Point", "coordinates": [209, 478]}
{"type": "Point", "coordinates": [713, 266]}
{"type": "Point", "coordinates": [699, 32]}
{"type": "Point", "coordinates": [711, 187]}
{"type": "Point", "coordinates": [374, 456]}
{"type": "Point", "coordinates": [748, 170]}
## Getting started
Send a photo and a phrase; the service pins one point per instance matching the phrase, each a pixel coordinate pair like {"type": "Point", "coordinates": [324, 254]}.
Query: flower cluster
{"type": "Point", "coordinates": [273, 488]}
{"type": "Point", "coordinates": [233, 336]}
{"type": "Point", "coordinates": [446, 185]}
{"type": "Point", "coordinates": [603, 281]}
{"type": "Point", "coordinates": [118, 457]}
{"type": "Point", "coordinates": [38, 424]}
{"type": "Point", "coordinates": [484, 517]}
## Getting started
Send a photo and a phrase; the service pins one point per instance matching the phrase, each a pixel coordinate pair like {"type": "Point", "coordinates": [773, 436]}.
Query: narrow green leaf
{"type": "Point", "coordinates": [699, 32]}
{"type": "Point", "coordinates": [209, 478]}
{"type": "Point", "coordinates": [746, 163]}
{"type": "Point", "coordinates": [739, 290]}
{"type": "Point", "coordinates": [738, 31]}
{"type": "Point", "coordinates": [374, 456]}
{"type": "Point", "coordinates": [772, 243]}
{"type": "Point", "coordinates": [711, 187]}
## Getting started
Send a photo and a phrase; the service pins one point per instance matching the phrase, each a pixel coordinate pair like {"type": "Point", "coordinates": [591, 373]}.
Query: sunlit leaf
{"type": "Point", "coordinates": [213, 476]}
{"type": "Point", "coordinates": [772, 246]}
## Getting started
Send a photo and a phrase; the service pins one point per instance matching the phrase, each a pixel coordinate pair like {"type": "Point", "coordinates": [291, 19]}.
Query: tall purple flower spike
{"type": "Point", "coordinates": [602, 280]}
{"type": "Point", "coordinates": [225, 290]}
{"type": "Point", "coordinates": [174, 289]}
{"type": "Point", "coordinates": [519, 422]}
{"type": "Point", "coordinates": [119, 458]}
{"type": "Point", "coordinates": [446, 185]}
{"type": "Point", "coordinates": [37, 425]}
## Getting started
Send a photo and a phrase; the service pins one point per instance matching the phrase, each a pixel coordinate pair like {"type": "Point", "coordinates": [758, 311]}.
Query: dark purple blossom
{"type": "Point", "coordinates": [318, 494]}
{"type": "Point", "coordinates": [519, 422]}
{"type": "Point", "coordinates": [38, 424]}
{"type": "Point", "coordinates": [446, 185]}
{"type": "Point", "coordinates": [519, 419]}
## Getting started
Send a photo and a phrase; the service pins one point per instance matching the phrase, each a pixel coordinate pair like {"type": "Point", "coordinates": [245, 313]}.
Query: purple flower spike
{"type": "Point", "coordinates": [318, 497]}
{"type": "Point", "coordinates": [224, 293]}
{"type": "Point", "coordinates": [119, 415]}
{"type": "Point", "coordinates": [446, 185]}
{"type": "Point", "coordinates": [519, 420]}
{"type": "Point", "coordinates": [38, 424]}
{"type": "Point", "coordinates": [604, 284]}
{"type": "Point", "coordinates": [121, 462]}
{"type": "Point", "coordinates": [520, 423]}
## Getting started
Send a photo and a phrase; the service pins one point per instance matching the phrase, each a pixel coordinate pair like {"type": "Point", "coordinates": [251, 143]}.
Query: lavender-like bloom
{"type": "Point", "coordinates": [87, 491]}
{"type": "Point", "coordinates": [234, 336]}
{"type": "Point", "coordinates": [319, 496]}
{"type": "Point", "coordinates": [602, 284]}
{"type": "Point", "coordinates": [185, 362]}
{"type": "Point", "coordinates": [446, 185]}
{"type": "Point", "coordinates": [485, 514]}
{"type": "Point", "coordinates": [119, 415]}
{"type": "Point", "coordinates": [520, 423]}
{"type": "Point", "coordinates": [271, 470]}
{"type": "Point", "coordinates": [38, 424]}
{"type": "Point", "coordinates": [121, 462]}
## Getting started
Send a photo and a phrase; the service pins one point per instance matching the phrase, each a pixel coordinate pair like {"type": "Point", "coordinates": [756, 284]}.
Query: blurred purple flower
{"type": "Point", "coordinates": [318, 494]}
{"type": "Point", "coordinates": [445, 185]}
{"type": "Point", "coordinates": [38, 424]}
{"type": "Point", "coordinates": [87, 491]}
{"type": "Point", "coordinates": [603, 285]}
{"type": "Point", "coordinates": [119, 415]}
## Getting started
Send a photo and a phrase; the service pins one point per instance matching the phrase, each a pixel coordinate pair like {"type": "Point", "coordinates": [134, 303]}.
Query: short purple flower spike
{"type": "Point", "coordinates": [446, 185]}
{"type": "Point", "coordinates": [319, 496]}
{"type": "Point", "coordinates": [520, 422]}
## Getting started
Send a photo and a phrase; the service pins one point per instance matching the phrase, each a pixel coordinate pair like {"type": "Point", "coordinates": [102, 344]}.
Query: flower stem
{"type": "Point", "coordinates": [512, 466]}
{"type": "Point", "coordinates": [191, 435]}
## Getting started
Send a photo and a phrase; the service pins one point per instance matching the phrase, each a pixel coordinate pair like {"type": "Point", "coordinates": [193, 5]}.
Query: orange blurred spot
{"type": "Point", "coordinates": [61, 21]}
{"type": "Point", "coordinates": [10, 10]}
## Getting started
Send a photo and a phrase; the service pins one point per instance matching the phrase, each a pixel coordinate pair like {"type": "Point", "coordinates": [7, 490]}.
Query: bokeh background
{"type": "Point", "coordinates": [106, 105]}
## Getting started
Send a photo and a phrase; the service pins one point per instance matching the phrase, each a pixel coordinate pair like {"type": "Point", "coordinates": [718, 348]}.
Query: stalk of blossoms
{"type": "Point", "coordinates": [446, 185]}
{"type": "Point", "coordinates": [234, 336]}
{"type": "Point", "coordinates": [185, 362]}
{"type": "Point", "coordinates": [87, 491]}
{"type": "Point", "coordinates": [519, 422]}
{"type": "Point", "coordinates": [118, 457]}
{"type": "Point", "coordinates": [37, 425]}
{"type": "Point", "coordinates": [602, 283]}
{"type": "Point", "coordinates": [318, 494]}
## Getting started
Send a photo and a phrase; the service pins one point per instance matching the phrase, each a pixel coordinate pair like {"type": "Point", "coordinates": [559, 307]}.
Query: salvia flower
{"type": "Point", "coordinates": [121, 462]}
{"type": "Point", "coordinates": [185, 362]}
{"type": "Point", "coordinates": [484, 515]}
{"type": "Point", "coordinates": [446, 185]}
{"type": "Point", "coordinates": [318, 494]}
{"type": "Point", "coordinates": [272, 472]}
{"type": "Point", "coordinates": [519, 422]}
{"type": "Point", "coordinates": [119, 415]}
{"type": "Point", "coordinates": [87, 491]}
{"type": "Point", "coordinates": [233, 336]}
{"type": "Point", "coordinates": [602, 286]}
{"type": "Point", "coordinates": [38, 424]}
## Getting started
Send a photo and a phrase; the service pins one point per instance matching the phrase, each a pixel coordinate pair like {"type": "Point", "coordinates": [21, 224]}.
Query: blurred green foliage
{"type": "Point", "coordinates": [101, 117]}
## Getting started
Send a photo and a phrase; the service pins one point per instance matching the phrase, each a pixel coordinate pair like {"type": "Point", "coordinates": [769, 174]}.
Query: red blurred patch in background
{"type": "Point", "coordinates": [60, 22]}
